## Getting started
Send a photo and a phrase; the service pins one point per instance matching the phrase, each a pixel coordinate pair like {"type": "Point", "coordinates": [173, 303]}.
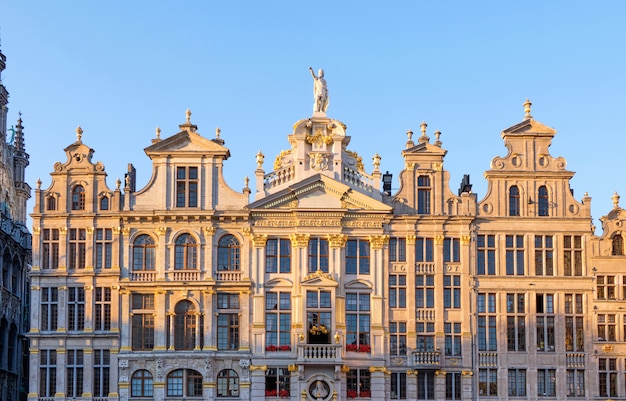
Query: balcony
{"type": "Point", "coordinates": [426, 358]}
{"type": "Point", "coordinates": [575, 359]}
{"type": "Point", "coordinates": [228, 275]}
{"type": "Point", "coordinates": [425, 314]}
{"type": "Point", "coordinates": [142, 276]}
{"type": "Point", "coordinates": [182, 275]}
{"type": "Point", "coordinates": [488, 359]}
{"type": "Point", "coordinates": [319, 352]}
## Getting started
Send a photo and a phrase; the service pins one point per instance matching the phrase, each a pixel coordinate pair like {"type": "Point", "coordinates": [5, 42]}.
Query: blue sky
{"type": "Point", "coordinates": [122, 68]}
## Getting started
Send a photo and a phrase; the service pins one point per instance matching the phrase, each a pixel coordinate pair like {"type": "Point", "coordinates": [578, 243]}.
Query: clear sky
{"type": "Point", "coordinates": [119, 69]}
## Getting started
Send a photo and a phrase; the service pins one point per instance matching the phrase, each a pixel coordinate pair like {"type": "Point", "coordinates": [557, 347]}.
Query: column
{"type": "Point", "coordinates": [117, 246]}
{"type": "Point", "coordinates": [244, 321]}
{"type": "Point", "coordinates": [209, 338]}
{"type": "Point", "coordinates": [89, 250]}
{"type": "Point", "coordinates": [87, 369]}
{"type": "Point", "coordinates": [377, 270]}
{"type": "Point", "coordinates": [61, 376]}
{"type": "Point", "coordinates": [33, 377]}
{"type": "Point", "coordinates": [160, 321]}
{"type": "Point", "coordinates": [62, 308]}
{"type": "Point", "coordinates": [411, 384]}
{"type": "Point", "coordinates": [377, 382]}
{"type": "Point", "coordinates": [125, 318]}
{"type": "Point", "coordinates": [89, 308]}
{"type": "Point", "coordinates": [170, 317]}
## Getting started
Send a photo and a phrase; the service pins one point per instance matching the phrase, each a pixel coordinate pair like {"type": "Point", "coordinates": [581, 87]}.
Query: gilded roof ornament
{"type": "Point", "coordinates": [527, 105]}
{"type": "Point", "coordinates": [79, 133]}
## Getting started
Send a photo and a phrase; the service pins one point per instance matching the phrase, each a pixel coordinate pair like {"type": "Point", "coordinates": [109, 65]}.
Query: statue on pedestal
{"type": "Point", "coordinates": [320, 92]}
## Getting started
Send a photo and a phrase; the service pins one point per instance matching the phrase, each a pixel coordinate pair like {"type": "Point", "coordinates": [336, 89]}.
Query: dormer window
{"type": "Point", "coordinates": [187, 187]}
{"type": "Point", "coordinates": [78, 198]}
{"type": "Point", "coordinates": [514, 201]}
{"type": "Point", "coordinates": [617, 244]}
{"type": "Point", "coordinates": [51, 203]}
{"type": "Point", "coordinates": [423, 194]}
{"type": "Point", "coordinates": [104, 203]}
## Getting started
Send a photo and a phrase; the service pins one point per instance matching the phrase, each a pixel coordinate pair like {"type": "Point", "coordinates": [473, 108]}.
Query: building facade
{"type": "Point", "coordinates": [318, 283]}
{"type": "Point", "coordinates": [15, 255]}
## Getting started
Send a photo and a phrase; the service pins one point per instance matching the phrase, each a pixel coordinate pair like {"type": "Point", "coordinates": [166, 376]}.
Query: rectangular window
{"type": "Point", "coordinates": [101, 372]}
{"type": "Point", "coordinates": [50, 248]}
{"type": "Point", "coordinates": [397, 249]}
{"type": "Point", "coordinates": [545, 318]}
{"type": "Point", "coordinates": [424, 249]}
{"type": "Point", "coordinates": [277, 321]}
{"type": "Point", "coordinates": [423, 194]}
{"type": "Point", "coordinates": [228, 331]}
{"type": "Point", "coordinates": [104, 248]}
{"type": "Point", "coordinates": [546, 382]}
{"type": "Point", "coordinates": [397, 291]}
{"type": "Point", "coordinates": [452, 291]}
{"type": "Point", "coordinates": [103, 309]}
{"type": "Point", "coordinates": [544, 255]}
{"type": "Point", "coordinates": [398, 386]}
{"type": "Point", "coordinates": [517, 382]}
{"type": "Point", "coordinates": [605, 287]}
{"type": "Point", "coordinates": [187, 187]}
{"type": "Point", "coordinates": [486, 254]}
{"type": "Point", "coordinates": [78, 248]}
{"type": "Point", "coordinates": [574, 317]}
{"type": "Point", "coordinates": [452, 338]}
{"type": "Point", "coordinates": [397, 338]}
{"type": "Point", "coordinates": [143, 321]}
{"type": "Point", "coordinates": [572, 255]}
{"type": "Point", "coordinates": [426, 385]}
{"type": "Point", "coordinates": [74, 369]}
{"type": "Point", "coordinates": [76, 309]}
{"type": "Point", "coordinates": [357, 257]}
{"type": "Point", "coordinates": [358, 383]}
{"type": "Point", "coordinates": [607, 327]}
{"type": "Point", "coordinates": [575, 383]}
{"type": "Point", "coordinates": [453, 386]}
{"type": "Point", "coordinates": [516, 322]}
{"type": "Point", "coordinates": [49, 308]}
{"type": "Point", "coordinates": [47, 372]}
{"type": "Point", "coordinates": [277, 382]}
{"type": "Point", "coordinates": [358, 322]}
{"type": "Point", "coordinates": [515, 255]}
{"type": "Point", "coordinates": [318, 255]}
{"type": "Point", "coordinates": [487, 340]}
{"type": "Point", "coordinates": [607, 377]}
{"type": "Point", "coordinates": [227, 301]}
{"type": "Point", "coordinates": [425, 337]}
{"type": "Point", "coordinates": [424, 291]}
{"type": "Point", "coordinates": [278, 256]}
{"type": "Point", "coordinates": [319, 312]}
{"type": "Point", "coordinates": [451, 250]}
{"type": "Point", "coordinates": [488, 382]}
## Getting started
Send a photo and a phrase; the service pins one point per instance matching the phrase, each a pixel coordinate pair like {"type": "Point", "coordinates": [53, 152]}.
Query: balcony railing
{"type": "Point", "coordinates": [143, 276]}
{"type": "Point", "coordinates": [488, 359]}
{"type": "Point", "coordinates": [279, 177]}
{"type": "Point", "coordinates": [575, 359]}
{"type": "Point", "coordinates": [358, 179]}
{"type": "Point", "coordinates": [228, 275]}
{"type": "Point", "coordinates": [425, 267]}
{"type": "Point", "coordinates": [183, 275]}
{"type": "Point", "coordinates": [422, 358]}
{"type": "Point", "coordinates": [319, 352]}
{"type": "Point", "coordinates": [425, 314]}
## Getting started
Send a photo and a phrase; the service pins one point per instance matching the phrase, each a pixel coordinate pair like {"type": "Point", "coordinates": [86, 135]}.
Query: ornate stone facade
{"type": "Point", "coordinates": [324, 287]}
{"type": "Point", "coordinates": [15, 254]}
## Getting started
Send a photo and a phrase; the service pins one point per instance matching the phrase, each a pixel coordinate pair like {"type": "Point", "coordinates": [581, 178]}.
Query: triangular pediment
{"type": "Point", "coordinates": [319, 192]}
{"type": "Point", "coordinates": [425, 148]}
{"type": "Point", "coordinates": [531, 127]}
{"type": "Point", "coordinates": [320, 279]}
{"type": "Point", "coordinates": [186, 142]}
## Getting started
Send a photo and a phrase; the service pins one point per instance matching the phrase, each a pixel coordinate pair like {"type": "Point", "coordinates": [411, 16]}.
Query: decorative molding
{"type": "Point", "coordinates": [466, 239]}
{"type": "Point", "coordinates": [439, 239]}
{"type": "Point", "coordinates": [337, 240]}
{"type": "Point", "coordinates": [259, 240]}
{"type": "Point", "coordinates": [378, 241]}
{"type": "Point", "coordinates": [299, 240]}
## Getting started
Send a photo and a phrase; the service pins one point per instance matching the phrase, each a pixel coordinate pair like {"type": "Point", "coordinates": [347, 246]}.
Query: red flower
{"type": "Point", "coordinates": [351, 394]}
{"type": "Point", "coordinates": [365, 394]}
{"type": "Point", "coordinates": [352, 347]}
{"type": "Point", "coordinates": [270, 393]}
{"type": "Point", "coordinates": [364, 348]}
{"type": "Point", "coordinates": [271, 348]}
{"type": "Point", "coordinates": [283, 393]}
{"type": "Point", "coordinates": [285, 348]}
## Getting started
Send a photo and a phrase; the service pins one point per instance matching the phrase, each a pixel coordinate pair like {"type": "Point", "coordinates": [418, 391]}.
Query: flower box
{"type": "Point", "coordinates": [358, 348]}
{"type": "Point", "coordinates": [274, 348]}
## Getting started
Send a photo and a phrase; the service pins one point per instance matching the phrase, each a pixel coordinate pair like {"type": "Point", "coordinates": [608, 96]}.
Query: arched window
{"type": "Point", "coordinates": [78, 198]}
{"type": "Point", "coordinates": [184, 326]}
{"type": "Point", "coordinates": [227, 383]}
{"type": "Point", "coordinates": [185, 253]}
{"type": "Point", "coordinates": [51, 203]}
{"type": "Point", "coordinates": [514, 203]}
{"type": "Point", "coordinates": [144, 250]}
{"type": "Point", "coordinates": [228, 253]}
{"type": "Point", "coordinates": [104, 203]}
{"type": "Point", "coordinates": [184, 383]}
{"type": "Point", "coordinates": [542, 200]}
{"type": "Point", "coordinates": [423, 194]}
{"type": "Point", "coordinates": [617, 244]}
{"type": "Point", "coordinates": [141, 384]}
